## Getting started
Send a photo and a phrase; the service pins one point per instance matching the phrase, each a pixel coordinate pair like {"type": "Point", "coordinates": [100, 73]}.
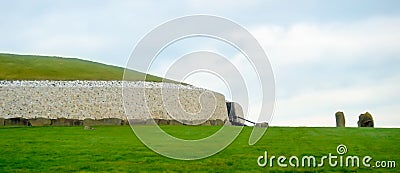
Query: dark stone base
{"type": "Point", "coordinates": [102, 122]}
{"type": "Point", "coordinates": [99, 122]}
{"type": "Point", "coordinates": [207, 123]}
{"type": "Point", "coordinates": [162, 122]}
{"type": "Point", "coordinates": [66, 122]}
{"type": "Point", "coordinates": [40, 122]}
{"type": "Point", "coordinates": [174, 122]}
{"type": "Point", "coordinates": [16, 122]}
{"type": "Point", "coordinates": [112, 122]}
{"type": "Point", "coordinates": [91, 122]}
{"type": "Point", "coordinates": [124, 122]}
{"type": "Point", "coordinates": [217, 122]}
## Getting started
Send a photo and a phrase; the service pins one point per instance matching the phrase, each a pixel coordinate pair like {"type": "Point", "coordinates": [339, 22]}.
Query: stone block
{"type": "Point", "coordinates": [162, 122]}
{"type": "Point", "coordinates": [365, 120]}
{"type": "Point", "coordinates": [219, 122]}
{"type": "Point", "coordinates": [206, 123]}
{"type": "Point", "coordinates": [124, 122]}
{"type": "Point", "coordinates": [151, 121]}
{"type": "Point", "coordinates": [187, 122]}
{"type": "Point", "coordinates": [66, 122]}
{"type": "Point", "coordinates": [16, 122]}
{"type": "Point", "coordinates": [137, 122]}
{"type": "Point", "coordinates": [112, 121]}
{"type": "Point", "coordinates": [92, 122]}
{"type": "Point", "coordinates": [174, 122]}
{"type": "Point", "coordinates": [198, 122]}
{"type": "Point", "coordinates": [40, 122]}
{"type": "Point", "coordinates": [1, 121]}
{"type": "Point", "coordinates": [340, 120]}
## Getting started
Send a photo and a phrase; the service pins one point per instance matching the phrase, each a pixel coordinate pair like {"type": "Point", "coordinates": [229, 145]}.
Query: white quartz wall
{"type": "Point", "coordinates": [103, 99]}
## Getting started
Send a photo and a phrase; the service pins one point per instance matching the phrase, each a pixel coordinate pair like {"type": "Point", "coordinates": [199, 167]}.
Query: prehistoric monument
{"type": "Point", "coordinates": [340, 121]}
{"type": "Point", "coordinates": [86, 103]}
{"type": "Point", "coordinates": [365, 120]}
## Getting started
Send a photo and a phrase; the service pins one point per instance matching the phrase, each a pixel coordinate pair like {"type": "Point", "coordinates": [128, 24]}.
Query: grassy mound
{"type": "Point", "coordinates": [32, 67]}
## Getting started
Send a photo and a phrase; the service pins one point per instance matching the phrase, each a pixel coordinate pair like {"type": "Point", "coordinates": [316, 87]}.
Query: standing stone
{"type": "Point", "coordinates": [365, 120]}
{"type": "Point", "coordinates": [1, 121]}
{"type": "Point", "coordinates": [340, 121]}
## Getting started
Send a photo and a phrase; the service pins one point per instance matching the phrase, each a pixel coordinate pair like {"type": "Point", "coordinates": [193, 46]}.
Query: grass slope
{"type": "Point", "coordinates": [32, 67]}
{"type": "Point", "coordinates": [116, 149]}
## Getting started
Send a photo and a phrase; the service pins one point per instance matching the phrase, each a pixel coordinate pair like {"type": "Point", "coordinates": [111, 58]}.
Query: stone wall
{"type": "Point", "coordinates": [103, 100]}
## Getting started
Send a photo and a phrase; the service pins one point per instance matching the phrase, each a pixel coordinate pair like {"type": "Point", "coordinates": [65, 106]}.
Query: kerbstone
{"type": "Point", "coordinates": [40, 122]}
{"type": "Point", "coordinates": [174, 122]}
{"type": "Point", "coordinates": [112, 121]}
{"type": "Point", "coordinates": [207, 123]}
{"type": "Point", "coordinates": [92, 122]}
{"type": "Point", "coordinates": [16, 122]}
{"type": "Point", "coordinates": [66, 122]}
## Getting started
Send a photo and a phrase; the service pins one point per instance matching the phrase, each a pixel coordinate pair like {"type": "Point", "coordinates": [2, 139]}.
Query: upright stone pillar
{"type": "Point", "coordinates": [365, 120]}
{"type": "Point", "coordinates": [340, 121]}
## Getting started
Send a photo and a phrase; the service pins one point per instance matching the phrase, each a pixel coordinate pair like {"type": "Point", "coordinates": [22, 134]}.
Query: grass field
{"type": "Point", "coordinates": [115, 149]}
{"type": "Point", "coordinates": [32, 67]}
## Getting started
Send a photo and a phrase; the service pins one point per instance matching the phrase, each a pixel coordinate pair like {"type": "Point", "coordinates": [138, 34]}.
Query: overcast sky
{"type": "Point", "coordinates": [327, 56]}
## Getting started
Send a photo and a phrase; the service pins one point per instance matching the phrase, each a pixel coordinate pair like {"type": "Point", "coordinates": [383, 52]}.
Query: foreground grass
{"type": "Point", "coordinates": [116, 149]}
{"type": "Point", "coordinates": [33, 67]}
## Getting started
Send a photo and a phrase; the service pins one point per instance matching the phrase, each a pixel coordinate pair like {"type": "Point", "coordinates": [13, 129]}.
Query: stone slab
{"type": "Point", "coordinates": [40, 122]}
{"type": "Point", "coordinates": [16, 122]}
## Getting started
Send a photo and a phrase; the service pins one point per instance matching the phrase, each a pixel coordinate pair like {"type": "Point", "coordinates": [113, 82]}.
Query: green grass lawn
{"type": "Point", "coordinates": [33, 67]}
{"type": "Point", "coordinates": [116, 149]}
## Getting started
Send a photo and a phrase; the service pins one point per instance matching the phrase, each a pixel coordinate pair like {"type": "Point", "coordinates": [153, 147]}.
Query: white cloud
{"type": "Point", "coordinates": [305, 42]}
{"type": "Point", "coordinates": [300, 52]}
